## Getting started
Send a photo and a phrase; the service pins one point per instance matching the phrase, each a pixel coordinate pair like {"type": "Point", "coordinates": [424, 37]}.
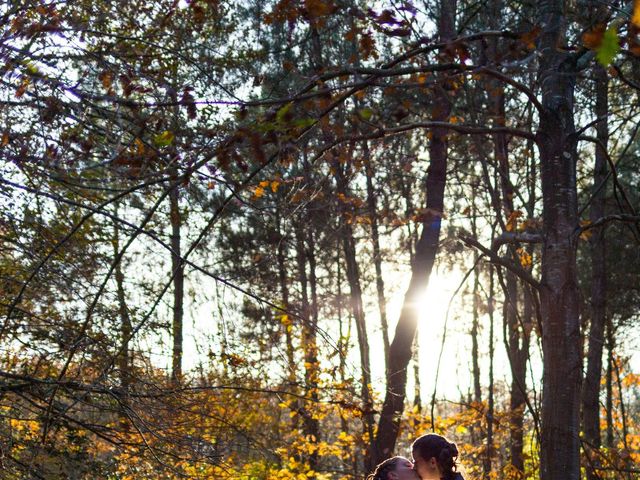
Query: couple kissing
{"type": "Point", "coordinates": [434, 458]}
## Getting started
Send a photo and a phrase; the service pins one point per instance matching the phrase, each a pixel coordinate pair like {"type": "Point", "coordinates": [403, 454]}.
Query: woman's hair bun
{"type": "Point", "coordinates": [453, 449]}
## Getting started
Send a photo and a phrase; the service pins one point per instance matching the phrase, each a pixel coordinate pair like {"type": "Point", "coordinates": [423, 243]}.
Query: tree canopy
{"type": "Point", "coordinates": [209, 211]}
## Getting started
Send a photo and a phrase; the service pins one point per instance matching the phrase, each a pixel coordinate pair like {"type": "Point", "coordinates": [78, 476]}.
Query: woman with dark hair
{"type": "Point", "coordinates": [434, 458]}
{"type": "Point", "coordinates": [394, 468]}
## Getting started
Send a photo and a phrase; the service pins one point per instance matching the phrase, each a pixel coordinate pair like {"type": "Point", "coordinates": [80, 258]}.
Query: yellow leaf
{"type": "Point", "coordinates": [164, 139]}
{"type": "Point", "coordinates": [525, 258]}
{"type": "Point", "coordinates": [635, 19]}
{"type": "Point", "coordinates": [274, 186]}
{"type": "Point", "coordinates": [258, 192]}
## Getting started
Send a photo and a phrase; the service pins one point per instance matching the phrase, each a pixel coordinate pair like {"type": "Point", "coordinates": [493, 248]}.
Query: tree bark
{"type": "Point", "coordinates": [311, 424]}
{"type": "Point", "coordinates": [591, 388]}
{"type": "Point", "coordinates": [475, 325]}
{"type": "Point", "coordinates": [353, 278]}
{"type": "Point", "coordinates": [561, 341]}
{"type": "Point", "coordinates": [486, 464]}
{"type": "Point", "coordinates": [609, 384]}
{"type": "Point", "coordinates": [377, 257]}
{"type": "Point", "coordinates": [178, 286]}
{"type": "Point", "coordinates": [124, 362]}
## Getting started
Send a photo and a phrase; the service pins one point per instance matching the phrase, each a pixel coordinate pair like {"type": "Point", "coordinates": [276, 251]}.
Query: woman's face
{"type": "Point", "coordinates": [426, 469]}
{"type": "Point", "coordinates": [404, 471]}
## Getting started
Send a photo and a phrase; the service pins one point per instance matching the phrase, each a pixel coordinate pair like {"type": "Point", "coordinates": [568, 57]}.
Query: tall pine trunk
{"type": "Point", "coordinates": [178, 285]}
{"type": "Point", "coordinates": [591, 388]}
{"type": "Point", "coordinates": [559, 299]}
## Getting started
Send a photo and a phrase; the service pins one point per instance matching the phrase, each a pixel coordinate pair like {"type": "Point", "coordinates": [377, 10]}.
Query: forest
{"type": "Point", "coordinates": [282, 239]}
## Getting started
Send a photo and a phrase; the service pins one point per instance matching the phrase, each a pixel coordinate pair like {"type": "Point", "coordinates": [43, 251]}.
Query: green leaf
{"type": "Point", "coordinates": [282, 112]}
{"type": "Point", "coordinates": [609, 47]}
{"type": "Point", "coordinates": [365, 113]}
{"type": "Point", "coordinates": [163, 139]}
{"type": "Point", "coordinates": [304, 122]}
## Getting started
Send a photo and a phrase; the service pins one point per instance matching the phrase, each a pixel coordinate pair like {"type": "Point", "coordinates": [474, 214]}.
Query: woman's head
{"type": "Point", "coordinates": [394, 468]}
{"type": "Point", "coordinates": [434, 457]}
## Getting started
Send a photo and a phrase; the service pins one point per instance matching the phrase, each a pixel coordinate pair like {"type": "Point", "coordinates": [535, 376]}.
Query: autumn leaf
{"type": "Point", "coordinates": [512, 221]}
{"type": "Point", "coordinates": [164, 139]}
{"type": "Point", "coordinates": [529, 38]}
{"type": "Point", "coordinates": [526, 260]}
{"type": "Point", "coordinates": [283, 114]}
{"type": "Point", "coordinates": [592, 39]}
{"type": "Point", "coordinates": [635, 18]}
{"type": "Point", "coordinates": [23, 87]}
{"type": "Point", "coordinates": [365, 113]}
{"type": "Point", "coordinates": [609, 47]}
{"type": "Point", "coordinates": [586, 234]}
{"type": "Point", "coordinates": [189, 102]}
{"type": "Point", "coordinates": [106, 78]}
{"type": "Point", "coordinates": [318, 8]}
{"type": "Point", "coordinates": [258, 191]}
{"type": "Point", "coordinates": [139, 146]}
{"type": "Point", "coordinates": [368, 46]}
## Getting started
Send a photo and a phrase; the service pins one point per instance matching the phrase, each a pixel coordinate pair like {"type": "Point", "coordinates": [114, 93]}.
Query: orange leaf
{"type": "Point", "coordinates": [139, 146]}
{"type": "Point", "coordinates": [512, 221]}
{"type": "Point", "coordinates": [635, 18]}
{"type": "Point", "coordinates": [258, 192]}
{"type": "Point", "coordinates": [593, 38]}
{"type": "Point", "coordinates": [586, 235]}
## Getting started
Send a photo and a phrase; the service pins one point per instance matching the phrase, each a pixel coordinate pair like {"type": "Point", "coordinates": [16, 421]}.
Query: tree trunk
{"type": "Point", "coordinates": [609, 384]}
{"type": "Point", "coordinates": [286, 322]}
{"type": "Point", "coordinates": [561, 341]}
{"type": "Point", "coordinates": [377, 258]}
{"type": "Point", "coordinates": [591, 388]}
{"type": "Point", "coordinates": [486, 465]}
{"type": "Point", "coordinates": [178, 285]}
{"type": "Point", "coordinates": [475, 325]}
{"type": "Point", "coordinates": [353, 278]}
{"type": "Point", "coordinates": [424, 258]}
{"type": "Point", "coordinates": [124, 362]}
{"type": "Point", "coordinates": [311, 424]}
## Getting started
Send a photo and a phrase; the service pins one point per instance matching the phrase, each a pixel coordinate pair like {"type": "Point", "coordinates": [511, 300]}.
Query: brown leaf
{"type": "Point", "coordinates": [593, 38]}
{"type": "Point", "coordinates": [529, 38]}
{"type": "Point", "coordinates": [22, 87]}
{"type": "Point", "coordinates": [106, 78]}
